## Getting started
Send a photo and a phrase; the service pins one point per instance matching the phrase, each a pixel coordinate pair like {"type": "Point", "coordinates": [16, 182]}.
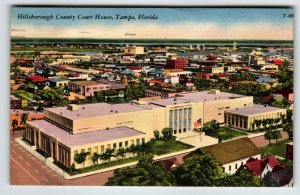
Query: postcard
{"type": "Point", "coordinates": [151, 96]}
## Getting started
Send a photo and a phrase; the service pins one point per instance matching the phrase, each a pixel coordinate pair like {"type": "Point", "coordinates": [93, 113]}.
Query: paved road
{"type": "Point", "coordinates": [25, 169]}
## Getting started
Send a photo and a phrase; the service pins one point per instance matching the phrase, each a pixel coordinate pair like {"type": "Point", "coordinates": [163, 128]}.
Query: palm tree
{"type": "Point", "coordinates": [258, 123]}
{"type": "Point", "coordinates": [14, 125]}
{"type": "Point", "coordinates": [264, 123]}
{"type": "Point", "coordinates": [269, 135]}
{"type": "Point", "coordinates": [108, 154]}
{"type": "Point", "coordinates": [24, 118]}
{"type": "Point", "coordinates": [95, 158]}
{"type": "Point", "coordinates": [276, 135]}
{"type": "Point", "coordinates": [121, 152]}
{"type": "Point", "coordinates": [80, 158]}
{"type": "Point", "coordinates": [276, 121]}
{"type": "Point", "coordinates": [132, 150]}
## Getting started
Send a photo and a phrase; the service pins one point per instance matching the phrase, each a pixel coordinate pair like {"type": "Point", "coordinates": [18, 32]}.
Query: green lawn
{"type": "Point", "coordinates": [275, 149]}
{"type": "Point", "coordinates": [159, 147]}
{"type": "Point", "coordinates": [102, 165]}
{"type": "Point", "coordinates": [227, 133]}
{"type": "Point", "coordinates": [22, 94]}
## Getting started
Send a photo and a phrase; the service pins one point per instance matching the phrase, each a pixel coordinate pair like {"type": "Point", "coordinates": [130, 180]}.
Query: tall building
{"type": "Point", "coordinates": [176, 63]}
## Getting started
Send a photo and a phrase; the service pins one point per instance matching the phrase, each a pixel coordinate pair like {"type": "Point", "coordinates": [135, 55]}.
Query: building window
{"type": "Point", "coordinates": [189, 118]}
{"type": "Point", "coordinates": [132, 142]}
{"type": "Point", "coordinates": [137, 141]}
{"type": "Point", "coordinates": [108, 146]}
{"type": "Point", "coordinates": [120, 144]}
{"type": "Point", "coordinates": [75, 152]}
{"type": "Point", "coordinates": [175, 131]}
{"type": "Point", "coordinates": [242, 163]}
{"type": "Point", "coordinates": [229, 167]}
{"type": "Point", "coordinates": [102, 148]}
{"type": "Point", "coordinates": [223, 168]}
{"type": "Point", "coordinates": [115, 145]}
{"type": "Point", "coordinates": [175, 119]}
{"type": "Point", "coordinates": [171, 119]}
{"type": "Point", "coordinates": [96, 149]}
{"type": "Point", "coordinates": [236, 166]}
{"type": "Point", "coordinates": [143, 140]}
{"type": "Point", "coordinates": [126, 143]}
{"type": "Point", "coordinates": [82, 150]}
{"type": "Point", "coordinates": [219, 113]}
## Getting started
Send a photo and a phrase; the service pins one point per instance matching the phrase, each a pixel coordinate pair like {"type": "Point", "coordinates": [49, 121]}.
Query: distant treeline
{"type": "Point", "coordinates": [99, 41]}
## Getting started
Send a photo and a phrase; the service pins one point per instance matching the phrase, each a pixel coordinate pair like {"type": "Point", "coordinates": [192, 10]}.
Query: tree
{"type": "Point", "coordinates": [80, 158]}
{"type": "Point", "coordinates": [144, 174]}
{"type": "Point", "coordinates": [269, 135]}
{"type": "Point", "coordinates": [156, 135]}
{"type": "Point", "coordinates": [14, 125]}
{"type": "Point", "coordinates": [211, 128]}
{"type": "Point", "coordinates": [258, 123]}
{"type": "Point", "coordinates": [276, 135]}
{"type": "Point", "coordinates": [121, 152]}
{"type": "Point", "coordinates": [95, 158]}
{"type": "Point", "coordinates": [242, 178]}
{"type": "Point", "coordinates": [167, 134]}
{"type": "Point", "coordinates": [198, 170]}
{"type": "Point", "coordinates": [109, 152]}
{"type": "Point", "coordinates": [264, 123]}
{"type": "Point", "coordinates": [24, 118]}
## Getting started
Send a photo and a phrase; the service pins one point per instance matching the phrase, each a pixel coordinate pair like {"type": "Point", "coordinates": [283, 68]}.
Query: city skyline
{"type": "Point", "coordinates": [190, 23]}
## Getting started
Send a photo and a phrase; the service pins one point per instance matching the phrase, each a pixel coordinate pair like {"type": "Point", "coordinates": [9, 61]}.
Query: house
{"type": "Point", "coordinates": [169, 164]}
{"type": "Point", "coordinates": [262, 167]}
{"type": "Point", "coordinates": [39, 81]}
{"type": "Point", "coordinates": [58, 82]}
{"type": "Point", "coordinates": [88, 88]}
{"type": "Point", "coordinates": [281, 178]}
{"type": "Point", "coordinates": [233, 154]}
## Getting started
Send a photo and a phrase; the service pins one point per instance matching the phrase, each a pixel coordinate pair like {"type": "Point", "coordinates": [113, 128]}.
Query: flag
{"type": "Point", "coordinates": [196, 124]}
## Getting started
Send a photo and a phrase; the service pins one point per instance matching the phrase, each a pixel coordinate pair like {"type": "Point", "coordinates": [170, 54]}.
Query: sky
{"type": "Point", "coordinates": [171, 23]}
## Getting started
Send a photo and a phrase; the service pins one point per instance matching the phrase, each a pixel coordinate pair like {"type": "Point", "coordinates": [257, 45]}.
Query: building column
{"type": "Point", "coordinates": [34, 138]}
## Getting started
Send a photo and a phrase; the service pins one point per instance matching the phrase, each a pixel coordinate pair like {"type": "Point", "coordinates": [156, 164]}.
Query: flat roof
{"type": "Point", "coordinates": [202, 96]}
{"type": "Point", "coordinates": [84, 138]}
{"type": "Point", "coordinates": [87, 83]}
{"type": "Point", "coordinates": [98, 109]}
{"type": "Point", "coordinates": [56, 79]}
{"type": "Point", "coordinates": [253, 109]}
{"type": "Point", "coordinates": [20, 111]}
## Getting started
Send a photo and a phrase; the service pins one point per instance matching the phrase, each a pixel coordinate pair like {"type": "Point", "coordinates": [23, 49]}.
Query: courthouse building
{"type": "Point", "coordinates": [66, 131]}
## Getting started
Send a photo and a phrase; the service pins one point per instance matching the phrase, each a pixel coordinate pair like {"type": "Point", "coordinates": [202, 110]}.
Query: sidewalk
{"type": "Point", "coordinates": [65, 175]}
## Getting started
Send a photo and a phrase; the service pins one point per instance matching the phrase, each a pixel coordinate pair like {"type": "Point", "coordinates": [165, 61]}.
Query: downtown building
{"type": "Point", "coordinates": [66, 131]}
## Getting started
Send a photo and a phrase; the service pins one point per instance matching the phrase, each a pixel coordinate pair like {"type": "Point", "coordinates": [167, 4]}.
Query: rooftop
{"type": "Point", "coordinates": [202, 96]}
{"type": "Point", "coordinates": [84, 138]}
{"type": "Point", "coordinates": [88, 83]}
{"type": "Point", "coordinates": [232, 150]}
{"type": "Point", "coordinates": [57, 79]}
{"type": "Point", "coordinates": [254, 109]}
{"type": "Point", "coordinates": [98, 109]}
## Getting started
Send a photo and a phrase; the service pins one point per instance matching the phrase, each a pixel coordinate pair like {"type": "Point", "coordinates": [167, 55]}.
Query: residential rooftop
{"type": "Point", "coordinates": [232, 150]}
{"type": "Point", "coordinates": [254, 109]}
{"type": "Point", "coordinates": [57, 79]}
{"type": "Point", "coordinates": [88, 83]}
{"type": "Point", "coordinates": [84, 138]}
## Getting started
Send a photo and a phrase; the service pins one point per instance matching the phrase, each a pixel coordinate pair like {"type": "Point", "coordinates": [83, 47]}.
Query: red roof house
{"type": "Point", "coordinates": [262, 167]}
{"type": "Point", "coordinates": [36, 79]}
